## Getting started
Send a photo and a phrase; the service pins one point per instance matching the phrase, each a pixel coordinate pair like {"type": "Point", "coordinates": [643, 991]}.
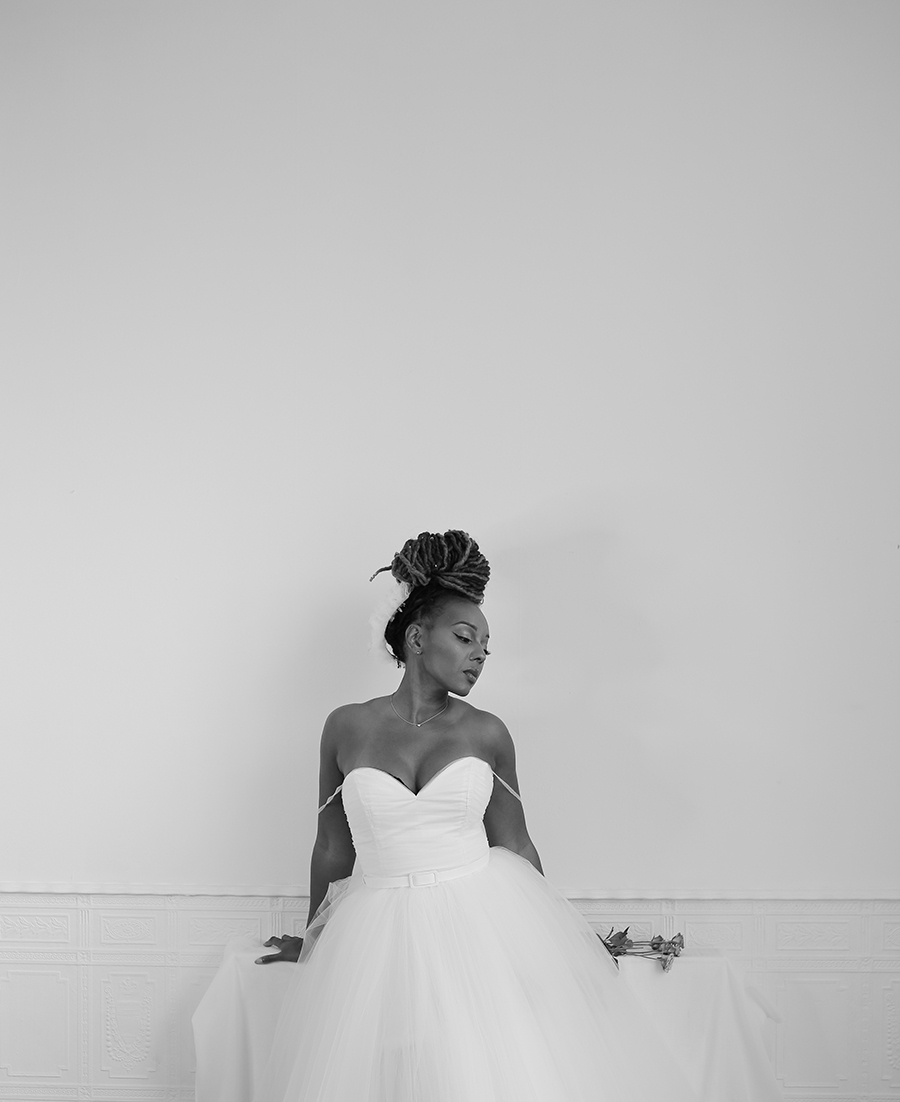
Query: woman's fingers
{"type": "Point", "coordinates": [288, 949]}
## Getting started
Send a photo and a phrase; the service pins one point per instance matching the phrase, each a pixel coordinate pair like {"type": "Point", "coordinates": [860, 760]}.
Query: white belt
{"type": "Point", "coordinates": [426, 879]}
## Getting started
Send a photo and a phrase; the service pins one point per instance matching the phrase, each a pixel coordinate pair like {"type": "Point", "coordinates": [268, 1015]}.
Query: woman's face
{"type": "Point", "coordinates": [454, 646]}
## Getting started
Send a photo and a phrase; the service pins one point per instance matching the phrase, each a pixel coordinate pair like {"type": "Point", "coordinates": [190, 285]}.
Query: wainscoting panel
{"type": "Point", "coordinates": [97, 990]}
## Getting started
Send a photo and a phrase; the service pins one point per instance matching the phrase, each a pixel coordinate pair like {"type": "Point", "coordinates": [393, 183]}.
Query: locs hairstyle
{"type": "Point", "coordinates": [436, 568]}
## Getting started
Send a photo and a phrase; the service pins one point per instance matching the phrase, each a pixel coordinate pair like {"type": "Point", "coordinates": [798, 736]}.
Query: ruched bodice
{"type": "Point", "coordinates": [397, 831]}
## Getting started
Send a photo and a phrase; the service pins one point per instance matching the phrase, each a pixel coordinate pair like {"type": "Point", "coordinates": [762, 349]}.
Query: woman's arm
{"type": "Point", "coordinates": [504, 819]}
{"type": "Point", "coordinates": [333, 853]}
{"type": "Point", "coordinates": [332, 856]}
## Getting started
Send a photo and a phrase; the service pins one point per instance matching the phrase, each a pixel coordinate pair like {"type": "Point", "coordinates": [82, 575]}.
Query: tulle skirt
{"type": "Point", "coordinates": [487, 988]}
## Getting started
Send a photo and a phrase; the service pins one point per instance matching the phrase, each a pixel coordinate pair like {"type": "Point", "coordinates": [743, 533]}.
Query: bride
{"type": "Point", "coordinates": [438, 964]}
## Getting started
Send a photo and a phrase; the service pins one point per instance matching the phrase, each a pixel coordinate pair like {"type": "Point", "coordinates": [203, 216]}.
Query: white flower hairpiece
{"type": "Point", "coordinates": [393, 598]}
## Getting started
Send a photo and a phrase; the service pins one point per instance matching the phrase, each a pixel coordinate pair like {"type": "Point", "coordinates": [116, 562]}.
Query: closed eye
{"type": "Point", "coordinates": [463, 639]}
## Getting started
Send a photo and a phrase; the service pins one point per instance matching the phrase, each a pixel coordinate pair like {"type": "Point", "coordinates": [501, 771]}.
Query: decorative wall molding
{"type": "Point", "coordinates": [97, 989]}
{"type": "Point", "coordinates": [48, 889]}
{"type": "Point", "coordinates": [35, 927]}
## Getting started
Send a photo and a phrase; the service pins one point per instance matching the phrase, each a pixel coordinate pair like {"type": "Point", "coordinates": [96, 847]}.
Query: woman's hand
{"type": "Point", "coordinates": [288, 949]}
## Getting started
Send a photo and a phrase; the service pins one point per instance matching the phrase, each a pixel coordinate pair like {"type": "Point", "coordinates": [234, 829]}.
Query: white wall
{"type": "Point", "coordinates": [611, 286]}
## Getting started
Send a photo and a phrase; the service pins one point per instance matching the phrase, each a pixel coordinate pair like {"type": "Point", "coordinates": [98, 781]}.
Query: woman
{"type": "Point", "coordinates": [445, 969]}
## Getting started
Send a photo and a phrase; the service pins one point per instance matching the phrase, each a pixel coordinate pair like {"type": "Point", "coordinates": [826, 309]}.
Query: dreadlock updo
{"type": "Point", "coordinates": [436, 568]}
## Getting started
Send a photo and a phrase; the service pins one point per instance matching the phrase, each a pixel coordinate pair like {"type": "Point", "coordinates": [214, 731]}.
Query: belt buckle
{"type": "Point", "coordinates": [422, 879]}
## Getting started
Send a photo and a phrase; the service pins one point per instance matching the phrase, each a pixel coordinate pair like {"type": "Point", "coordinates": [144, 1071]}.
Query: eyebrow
{"type": "Point", "coordinates": [472, 626]}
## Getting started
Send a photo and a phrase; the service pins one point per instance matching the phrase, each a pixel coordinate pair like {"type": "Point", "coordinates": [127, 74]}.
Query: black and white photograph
{"type": "Point", "coordinates": [450, 502]}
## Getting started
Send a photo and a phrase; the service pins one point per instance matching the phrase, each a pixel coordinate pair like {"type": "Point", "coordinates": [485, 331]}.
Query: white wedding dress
{"type": "Point", "coordinates": [444, 970]}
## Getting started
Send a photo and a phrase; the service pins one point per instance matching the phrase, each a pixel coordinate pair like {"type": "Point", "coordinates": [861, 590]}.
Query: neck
{"type": "Point", "coordinates": [416, 698]}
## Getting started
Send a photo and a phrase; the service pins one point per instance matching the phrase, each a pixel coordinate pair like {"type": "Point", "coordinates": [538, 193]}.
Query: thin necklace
{"type": "Point", "coordinates": [411, 722]}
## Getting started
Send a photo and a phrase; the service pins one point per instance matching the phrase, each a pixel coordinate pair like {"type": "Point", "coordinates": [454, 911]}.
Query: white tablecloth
{"type": "Point", "coordinates": [712, 1023]}
{"type": "Point", "coordinates": [701, 1008]}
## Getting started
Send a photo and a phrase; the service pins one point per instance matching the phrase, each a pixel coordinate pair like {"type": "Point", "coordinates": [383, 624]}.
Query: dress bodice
{"type": "Point", "coordinates": [397, 831]}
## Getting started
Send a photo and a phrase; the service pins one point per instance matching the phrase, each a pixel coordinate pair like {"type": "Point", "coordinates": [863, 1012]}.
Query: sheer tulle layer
{"type": "Point", "coordinates": [487, 988]}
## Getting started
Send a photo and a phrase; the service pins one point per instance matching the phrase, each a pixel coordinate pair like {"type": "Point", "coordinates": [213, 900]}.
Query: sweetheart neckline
{"type": "Point", "coordinates": [433, 777]}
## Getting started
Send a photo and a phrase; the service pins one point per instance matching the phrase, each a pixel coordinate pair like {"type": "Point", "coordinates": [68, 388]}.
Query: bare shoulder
{"type": "Point", "coordinates": [492, 734]}
{"type": "Point", "coordinates": [346, 724]}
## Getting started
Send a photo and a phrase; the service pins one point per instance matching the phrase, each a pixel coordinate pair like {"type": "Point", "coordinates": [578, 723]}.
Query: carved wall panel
{"type": "Point", "coordinates": [128, 929]}
{"type": "Point", "coordinates": [35, 927]}
{"type": "Point", "coordinates": [813, 1050]}
{"type": "Point", "coordinates": [813, 936]}
{"type": "Point", "coordinates": [887, 1007]}
{"type": "Point", "coordinates": [97, 991]}
{"type": "Point", "coordinates": [130, 1013]}
{"type": "Point", "coordinates": [37, 1023]}
{"type": "Point", "coordinates": [714, 935]}
{"type": "Point", "coordinates": [890, 937]}
{"type": "Point", "coordinates": [218, 931]}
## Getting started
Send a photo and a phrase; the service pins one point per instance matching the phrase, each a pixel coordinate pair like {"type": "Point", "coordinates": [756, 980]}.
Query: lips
{"type": "Point", "coordinates": [472, 675]}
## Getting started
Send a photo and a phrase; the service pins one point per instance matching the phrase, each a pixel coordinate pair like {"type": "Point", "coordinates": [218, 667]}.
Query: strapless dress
{"type": "Point", "coordinates": [446, 970]}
